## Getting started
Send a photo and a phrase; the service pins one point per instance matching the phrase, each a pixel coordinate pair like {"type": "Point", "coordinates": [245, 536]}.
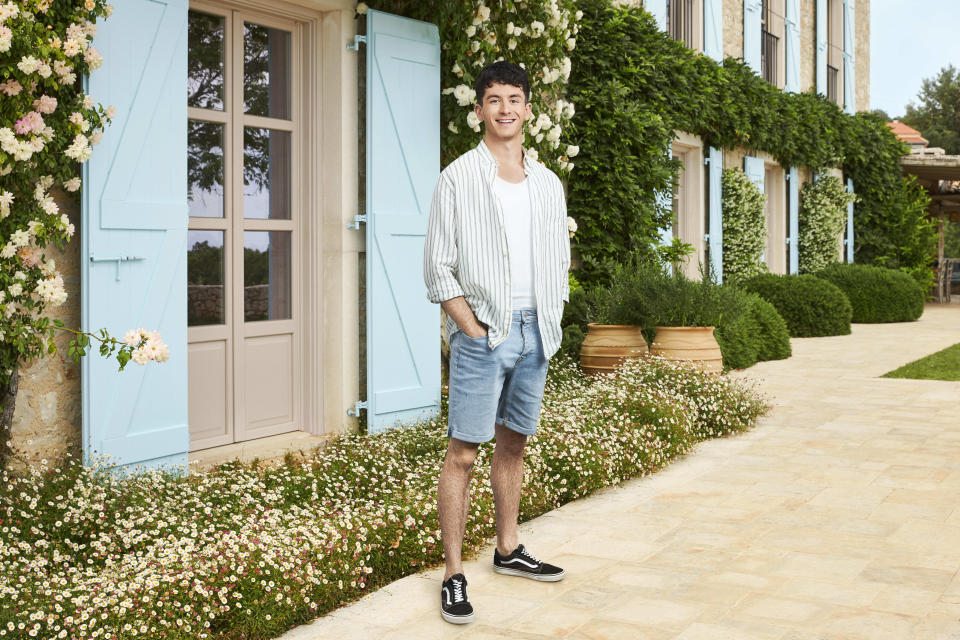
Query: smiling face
{"type": "Point", "coordinates": [503, 110]}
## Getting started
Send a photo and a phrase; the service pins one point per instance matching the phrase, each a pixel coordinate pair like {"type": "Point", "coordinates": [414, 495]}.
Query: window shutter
{"type": "Point", "coordinates": [134, 237]}
{"type": "Point", "coordinates": [794, 202]}
{"type": "Point", "coordinates": [713, 29]}
{"type": "Point", "coordinates": [715, 224]}
{"type": "Point", "coordinates": [849, 58]}
{"type": "Point", "coordinates": [658, 9]}
{"type": "Point", "coordinates": [850, 223]}
{"type": "Point", "coordinates": [793, 46]}
{"type": "Point", "coordinates": [751, 33]}
{"type": "Point", "coordinates": [403, 163]}
{"type": "Point", "coordinates": [756, 171]}
{"type": "Point", "coordinates": [821, 47]}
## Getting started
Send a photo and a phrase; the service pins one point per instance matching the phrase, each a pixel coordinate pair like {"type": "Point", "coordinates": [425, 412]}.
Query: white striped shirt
{"type": "Point", "coordinates": [465, 253]}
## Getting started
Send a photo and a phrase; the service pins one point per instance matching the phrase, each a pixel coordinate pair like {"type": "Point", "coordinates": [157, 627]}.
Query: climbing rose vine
{"type": "Point", "coordinates": [538, 36]}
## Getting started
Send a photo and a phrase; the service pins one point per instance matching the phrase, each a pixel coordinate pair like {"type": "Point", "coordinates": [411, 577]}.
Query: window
{"type": "Point", "coordinates": [835, 51]}
{"type": "Point", "coordinates": [242, 150]}
{"type": "Point", "coordinates": [688, 201]}
{"type": "Point", "coordinates": [769, 44]}
{"type": "Point", "coordinates": [685, 22]}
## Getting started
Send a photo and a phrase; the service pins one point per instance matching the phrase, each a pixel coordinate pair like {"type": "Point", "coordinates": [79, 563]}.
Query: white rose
{"type": "Point", "coordinates": [471, 30]}
{"type": "Point", "coordinates": [512, 44]}
{"type": "Point", "coordinates": [361, 8]}
{"type": "Point", "coordinates": [464, 95]}
{"type": "Point", "coordinates": [571, 43]}
{"type": "Point", "coordinates": [572, 150]}
{"type": "Point", "coordinates": [473, 121]}
{"type": "Point", "coordinates": [452, 127]}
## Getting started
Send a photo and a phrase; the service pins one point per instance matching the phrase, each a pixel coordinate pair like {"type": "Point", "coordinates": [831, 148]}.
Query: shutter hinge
{"type": "Point", "coordinates": [357, 219]}
{"type": "Point", "coordinates": [357, 407]}
{"type": "Point", "coordinates": [356, 43]}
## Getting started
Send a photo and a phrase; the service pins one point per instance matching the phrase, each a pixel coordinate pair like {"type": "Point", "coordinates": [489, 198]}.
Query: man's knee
{"type": "Point", "coordinates": [461, 455]}
{"type": "Point", "coordinates": [509, 442]}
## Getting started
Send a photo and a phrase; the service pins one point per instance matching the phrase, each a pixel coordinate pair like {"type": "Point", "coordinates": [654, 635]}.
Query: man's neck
{"type": "Point", "coordinates": [508, 153]}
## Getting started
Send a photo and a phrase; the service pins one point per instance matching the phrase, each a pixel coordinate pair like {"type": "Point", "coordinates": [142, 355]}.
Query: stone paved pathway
{"type": "Point", "coordinates": [837, 518]}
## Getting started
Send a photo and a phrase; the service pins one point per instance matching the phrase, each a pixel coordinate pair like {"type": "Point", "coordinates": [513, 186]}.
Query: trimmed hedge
{"type": "Point", "coordinates": [877, 294]}
{"type": "Point", "coordinates": [810, 306]}
{"type": "Point", "coordinates": [750, 330]}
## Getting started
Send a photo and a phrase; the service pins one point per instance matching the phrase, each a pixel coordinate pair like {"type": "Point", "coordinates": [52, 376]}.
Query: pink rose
{"type": "Point", "coordinates": [45, 104]}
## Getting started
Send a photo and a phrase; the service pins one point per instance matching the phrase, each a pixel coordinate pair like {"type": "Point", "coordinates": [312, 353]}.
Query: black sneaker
{"type": "Point", "coordinates": [454, 606]}
{"type": "Point", "coordinates": [522, 563]}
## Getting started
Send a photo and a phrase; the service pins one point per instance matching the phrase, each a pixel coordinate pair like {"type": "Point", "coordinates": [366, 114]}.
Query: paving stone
{"type": "Point", "coordinates": [836, 518]}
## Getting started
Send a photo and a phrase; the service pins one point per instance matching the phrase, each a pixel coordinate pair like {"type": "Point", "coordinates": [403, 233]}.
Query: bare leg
{"type": "Point", "coordinates": [506, 476]}
{"type": "Point", "coordinates": [453, 501]}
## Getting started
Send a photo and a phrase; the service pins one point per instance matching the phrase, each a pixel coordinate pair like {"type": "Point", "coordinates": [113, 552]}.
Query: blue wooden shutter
{"type": "Point", "coordinates": [658, 9]}
{"type": "Point", "coordinates": [403, 164]}
{"type": "Point", "coordinates": [793, 197]}
{"type": "Point", "coordinates": [134, 235]}
{"type": "Point", "coordinates": [822, 46]}
{"type": "Point", "coordinates": [849, 58]}
{"type": "Point", "coordinates": [756, 171]}
{"type": "Point", "coordinates": [792, 47]}
{"type": "Point", "coordinates": [751, 33]}
{"type": "Point", "coordinates": [713, 47]}
{"type": "Point", "coordinates": [713, 29]}
{"type": "Point", "coordinates": [715, 212]}
{"type": "Point", "coordinates": [850, 223]}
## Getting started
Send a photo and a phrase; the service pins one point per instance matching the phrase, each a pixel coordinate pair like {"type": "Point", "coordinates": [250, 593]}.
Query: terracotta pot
{"type": "Point", "coordinates": [694, 344]}
{"type": "Point", "coordinates": [608, 345]}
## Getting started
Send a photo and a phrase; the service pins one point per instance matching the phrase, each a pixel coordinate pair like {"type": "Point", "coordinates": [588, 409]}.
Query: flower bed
{"type": "Point", "coordinates": [248, 551]}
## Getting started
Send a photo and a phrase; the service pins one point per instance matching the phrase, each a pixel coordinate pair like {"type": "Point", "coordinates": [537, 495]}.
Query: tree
{"type": "Point", "coordinates": [937, 116]}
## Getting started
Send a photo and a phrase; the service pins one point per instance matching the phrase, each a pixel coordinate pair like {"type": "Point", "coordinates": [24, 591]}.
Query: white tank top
{"type": "Point", "coordinates": [518, 223]}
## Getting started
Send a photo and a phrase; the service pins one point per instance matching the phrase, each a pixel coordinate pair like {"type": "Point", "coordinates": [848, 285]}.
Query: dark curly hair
{"type": "Point", "coordinates": [502, 72]}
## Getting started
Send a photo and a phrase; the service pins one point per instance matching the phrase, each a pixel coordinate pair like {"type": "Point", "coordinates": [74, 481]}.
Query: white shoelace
{"type": "Point", "coordinates": [457, 591]}
{"type": "Point", "coordinates": [524, 551]}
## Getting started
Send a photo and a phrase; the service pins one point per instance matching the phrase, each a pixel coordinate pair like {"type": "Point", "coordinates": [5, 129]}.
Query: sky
{"type": "Point", "coordinates": [910, 40]}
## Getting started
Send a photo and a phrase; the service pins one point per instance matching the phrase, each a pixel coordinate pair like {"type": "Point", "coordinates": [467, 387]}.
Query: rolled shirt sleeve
{"type": "Point", "coordinates": [440, 252]}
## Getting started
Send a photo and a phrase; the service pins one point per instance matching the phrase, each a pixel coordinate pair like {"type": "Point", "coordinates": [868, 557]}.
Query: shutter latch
{"type": "Point", "coordinates": [357, 219]}
{"type": "Point", "coordinates": [117, 259]}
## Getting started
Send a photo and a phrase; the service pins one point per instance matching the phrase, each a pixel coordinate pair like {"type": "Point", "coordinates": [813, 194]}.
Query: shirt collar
{"type": "Point", "coordinates": [486, 154]}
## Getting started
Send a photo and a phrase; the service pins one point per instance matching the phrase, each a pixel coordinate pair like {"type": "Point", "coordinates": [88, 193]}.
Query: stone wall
{"type": "Point", "coordinates": [862, 49]}
{"type": "Point", "coordinates": [205, 303]}
{"type": "Point", "coordinates": [46, 423]}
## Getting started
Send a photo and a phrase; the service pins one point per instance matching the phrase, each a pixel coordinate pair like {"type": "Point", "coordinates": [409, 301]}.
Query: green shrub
{"type": "Point", "coordinates": [810, 306]}
{"type": "Point", "coordinates": [744, 226]}
{"type": "Point", "coordinates": [750, 330]}
{"type": "Point", "coordinates": [877, 294]}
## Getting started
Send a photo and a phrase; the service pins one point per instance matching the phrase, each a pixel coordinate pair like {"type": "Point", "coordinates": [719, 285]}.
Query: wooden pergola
{"type": "Point", "coordinates": [939, 174]}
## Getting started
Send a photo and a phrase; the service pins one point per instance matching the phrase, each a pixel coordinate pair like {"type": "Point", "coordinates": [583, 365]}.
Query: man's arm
{"type": "Point", "coordinates": [458, 309]}
{"type": "Point", "coordinates": [440, 259]}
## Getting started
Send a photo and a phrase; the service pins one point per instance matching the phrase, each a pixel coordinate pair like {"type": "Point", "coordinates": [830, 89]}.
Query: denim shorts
{"type": "Point", "coordinates": [497, 386]}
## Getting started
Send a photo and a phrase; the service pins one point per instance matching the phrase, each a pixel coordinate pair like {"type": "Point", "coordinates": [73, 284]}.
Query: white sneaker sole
{"type": "Point", "coordinates": [556, 577]}
{"type": "Point", "coordinates": [452, 619]}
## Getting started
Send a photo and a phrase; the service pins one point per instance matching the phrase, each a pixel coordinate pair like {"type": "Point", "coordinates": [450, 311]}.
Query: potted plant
{"type": "Point", "coordinates": [615, 335]}
{"type": "Point", "coordinates": [684, 314]}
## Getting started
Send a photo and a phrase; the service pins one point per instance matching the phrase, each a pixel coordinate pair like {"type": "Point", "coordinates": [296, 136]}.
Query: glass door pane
{"type": "Point", "coordinates": [266, 71]}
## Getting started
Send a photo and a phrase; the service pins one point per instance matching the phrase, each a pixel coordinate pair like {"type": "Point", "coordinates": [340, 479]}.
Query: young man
{"type": "Point", "coordinates": [496, 258]}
